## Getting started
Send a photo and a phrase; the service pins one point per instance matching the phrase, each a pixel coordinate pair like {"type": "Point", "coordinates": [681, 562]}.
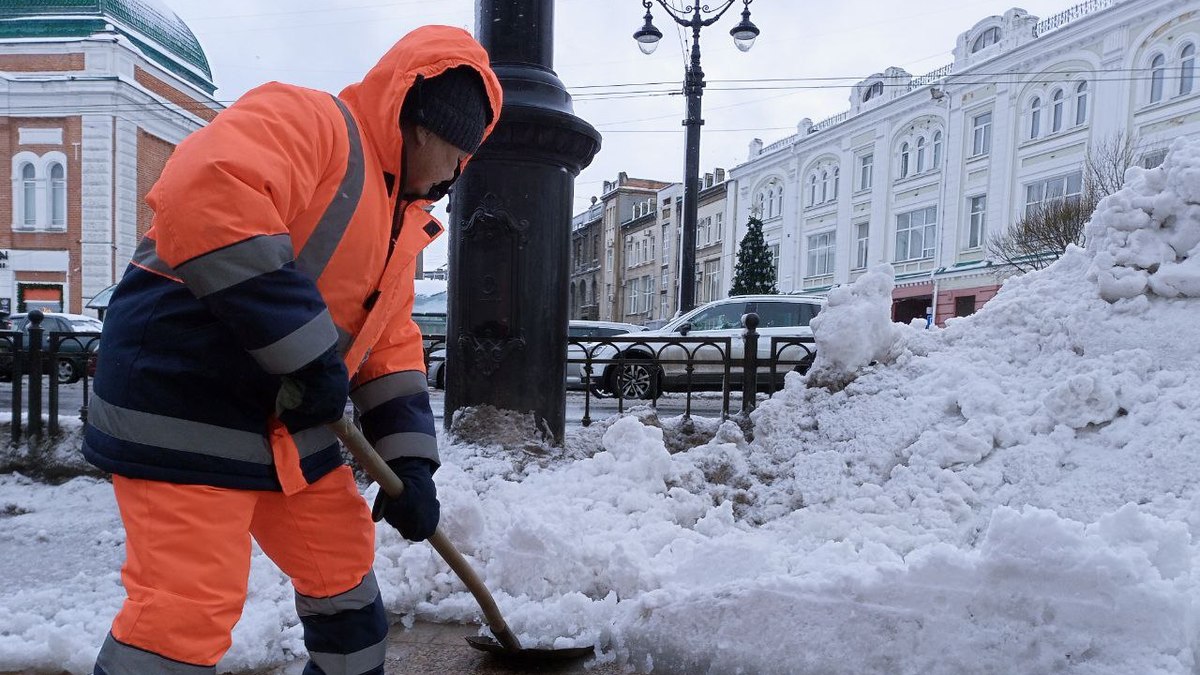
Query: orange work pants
{"type": "Point", "coordinates": [188, 550]}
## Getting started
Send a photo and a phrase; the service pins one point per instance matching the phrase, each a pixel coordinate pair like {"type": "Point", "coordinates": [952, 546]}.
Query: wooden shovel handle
{"type": "Point", "coordinates": [378, 470]}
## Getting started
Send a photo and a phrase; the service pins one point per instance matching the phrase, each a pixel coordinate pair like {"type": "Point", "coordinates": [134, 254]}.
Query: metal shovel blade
{"type": "Point", "coordinates": [491, 646]}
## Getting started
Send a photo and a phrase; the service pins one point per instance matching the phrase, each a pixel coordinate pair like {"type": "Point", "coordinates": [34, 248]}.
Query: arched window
{"type": "Point", "coordinates": [904, 160]}
{"type": "Point", "coordinates": [837, 179]}
{"type": "Point", "coordinates": [1056, 116]}
{"type": "Point", "coordinates": [937, 150]}
{"type": "Point", "coordinates": [771, 212]}
{"type": "Point", "coordinates": [812, 189]}
{"type": "Point", "coordinates": [779, 201]}
{"type": "Point", "coordinates": [921, 154]}
{"type": "Point", "coordinates": [28, 196]}
{"type": "Point", "coordinates": [1035, 117]}
{"type": "Point", "coordinates": [873, 91]}
{"type": "Point", "coordinates": [760, 204]}
{"type": "Point", "coordinates": [1081, 102]}
{"type": "Point", "coordinates": [1187, 69]}
{"type": "Point", "coordinates": [986, 39]}
{"type": "Point", "coordinates": [58, 195]}
{"type": "Point", "coordinates": [1158, 72]}
{"type": "Point", "coordinates": [824, 186]}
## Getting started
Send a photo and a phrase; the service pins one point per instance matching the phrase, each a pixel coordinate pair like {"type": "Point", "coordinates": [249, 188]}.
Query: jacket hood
{"type": "Point", "coordinates": [427, 51]}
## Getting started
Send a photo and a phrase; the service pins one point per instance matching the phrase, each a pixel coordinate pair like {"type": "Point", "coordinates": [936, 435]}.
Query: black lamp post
{"type": "Point", "coordinates": [695, 17]}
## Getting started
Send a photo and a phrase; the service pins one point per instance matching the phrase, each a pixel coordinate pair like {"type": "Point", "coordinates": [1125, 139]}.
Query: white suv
{"type": "Point", "coordinates": [650, 369]}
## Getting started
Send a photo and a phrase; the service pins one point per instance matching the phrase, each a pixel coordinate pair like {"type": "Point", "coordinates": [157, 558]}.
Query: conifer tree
{"type": "Point", "coordinates": [754, 272]}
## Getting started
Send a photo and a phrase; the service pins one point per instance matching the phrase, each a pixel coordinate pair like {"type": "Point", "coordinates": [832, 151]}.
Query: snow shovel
{"type": "Point", "coordinates": [506, 644]}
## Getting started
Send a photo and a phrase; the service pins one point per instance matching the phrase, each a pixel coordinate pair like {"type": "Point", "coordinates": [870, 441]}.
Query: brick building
{"type": "Point", "coordinates": [98, 95]}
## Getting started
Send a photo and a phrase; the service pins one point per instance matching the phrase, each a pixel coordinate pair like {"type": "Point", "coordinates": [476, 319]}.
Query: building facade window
{"type": "Point", "coordinates": [937, 151]}
{"type": "Point", "coordinates": [861, 234]}
{"type": "Point", "coordinates": [812, 190]}
{"type": "Point", "coordinates": [964, 305]}
{"type": "Point", "coordinates": [904, 160]}
{"type": "Point", "coordinates": [1153, 158]}
{"type": "Point", "coordinates": [916, 232]}
{"type": "Point", "coordinates": [821, 252]}
{"type": "Point", "coordinates": [1081, 103]}
{"type": "Point", "coordinates": [28, 208]}
{"type": "Point", "coordinates": [981, 134]}
{"type": "Point", "coordinates": [1158, 74]}
{"type": "Point", "coordinates": [1069, 186]}
{"type": "Point", "coordinates": [1187, 69]}
{"type": "Point", "coordinates": [1035, 117]}
{"type": "Point", "coordinates": [873, 91]}
{"type": "Point", "coordinates": [986, 39]}
{"type": "Point", "coordinates": [921, 155]}
{"type": "Point", "coordinates": [866, 167]}
{"type": "Point", "coordinates": [712, 275]}
{"type": "Point", "coordinates": [719, 226]}
{"type": "Point", "coordinates": [1056, 115]}
{"type": "Point", "coordinates": [774, 248]}
{"type": "Point", "coordinates": [977, 221]}
{"type": "Point", "coordinates": [58, 196]}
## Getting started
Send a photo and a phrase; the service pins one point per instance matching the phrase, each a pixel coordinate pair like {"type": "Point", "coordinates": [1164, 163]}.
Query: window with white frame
{"type": "Point", "coordinates": [824, 186]}
{"type": "Point", "coordinates": [631, 296]}
{"type": "Point", "coordinates": [1158, 75]}
{"type": "Point", "coordinates": [812, 190]}
{"type": "Point", "coordinates": [977, 220]}
{"type": "Point", "coordinates": [39, 191]}
{"type": "Point", "coordinates": [712, 276]}
{"type": "Point", "coordinates": [774, 248]}
{"type": "Point", "coordinates": [1153, 158]}
{"type": "Point", "coordinates": [647, 294]}
{"type": "Point", "coordinates": [861, 241]}
{"type": "Point", "coordinates": [1081, 103]}
{"type": "Point", "coordinates": [981, 134]}
{"type": "Point", "coordinates": [904, 160]}
{"type": "Point", "coordinates": [837, 182]}
{"type": "Point", "coordinates": [1068, 186]}
{"type": "Point", "coordinates": [1058, 100]}
{"type": "Point", "coordinates": [921, 154]}
{"type": "Point", "coordinates": [666, 278]}
{"type": "Point", "coordinates": [718, 226]}
{"type": "Point", "coordinates": [916, 232]}
{"type": "Point", "coordinates": [821, 253]}
{"type": "Point", "coordinates": [650, 255]}
{"type": "Point", "coordinates": [937, 151]}
{"type": "Point", "coordinates": [778, 209]}
{"type": "Point", "coordinates": [866, 169]}
{"type": "Point", "coordinates": [1035, 117]}
{"type": "Point", "coordinates": [769, 201]}
{"type": "Point", "coordinates": [986, 39]}
{"type": "Point", "coordinates": [666, 247]}
{"type": "Point", "coordinates": [1187, 69]}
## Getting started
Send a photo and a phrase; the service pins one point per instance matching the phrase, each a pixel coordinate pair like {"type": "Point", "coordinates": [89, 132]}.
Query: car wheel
{"type": "Point", "coordinates": [636, 379]}
{"type": "Point", "coordinates": [66, 371]}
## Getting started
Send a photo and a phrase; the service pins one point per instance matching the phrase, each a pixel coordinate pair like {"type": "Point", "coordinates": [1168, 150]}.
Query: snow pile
{"type": "Point", "coordinates": [1015, 493]}
{"type": "Point", "coordinates": [1144, 237]}
{"type": "Point", "coordinates": [854, 329]}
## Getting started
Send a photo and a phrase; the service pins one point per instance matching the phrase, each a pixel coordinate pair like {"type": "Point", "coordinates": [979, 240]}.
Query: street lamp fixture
{"type": "Point", "coordinates": [695, 16]}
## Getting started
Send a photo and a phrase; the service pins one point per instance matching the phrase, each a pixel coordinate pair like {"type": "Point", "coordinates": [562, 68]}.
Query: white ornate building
{"type": "Point", "coordinates": [922, 171]}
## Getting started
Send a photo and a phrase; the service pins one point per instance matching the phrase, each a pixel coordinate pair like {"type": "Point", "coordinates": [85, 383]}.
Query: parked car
{"type": "Point", "coordinates": [74, 354]}
{"type": "Point", "coordinates": [577, 329]}
{"type": "Point", "coordinates": [649, 371]}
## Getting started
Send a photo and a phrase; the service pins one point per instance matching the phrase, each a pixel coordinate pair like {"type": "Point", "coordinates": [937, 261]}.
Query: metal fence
{"type": "Point", "coordinates": [26, 357]}
{"type": "Point", "coordinates": [633, 368]}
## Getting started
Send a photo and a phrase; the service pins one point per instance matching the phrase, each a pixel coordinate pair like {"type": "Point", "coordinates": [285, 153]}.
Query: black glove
{"type": "Point", "coordinates": [321, 388]}
{"type": "Point", "coordinates": [415, 513]}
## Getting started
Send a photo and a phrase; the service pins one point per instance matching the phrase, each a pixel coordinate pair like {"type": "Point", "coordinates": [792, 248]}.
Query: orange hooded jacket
{"type": "Point", "coordinates": [270, 243]}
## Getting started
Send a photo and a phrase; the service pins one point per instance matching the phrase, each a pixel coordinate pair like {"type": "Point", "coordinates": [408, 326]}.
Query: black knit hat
{"type": "Point", "coordinates": [453, 105]}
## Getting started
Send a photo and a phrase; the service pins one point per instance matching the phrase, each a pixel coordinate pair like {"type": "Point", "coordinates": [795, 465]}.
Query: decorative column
{"type": "Point", "coordinates": [510, 221]}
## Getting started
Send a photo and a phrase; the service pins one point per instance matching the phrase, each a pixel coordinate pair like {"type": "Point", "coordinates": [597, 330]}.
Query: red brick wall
{"type": "Point", "coordinates": [173, 95]}
{"type": "Point", "coordinates": [152, 154]}
{"type": "Point", "coordinates": [36, 63]}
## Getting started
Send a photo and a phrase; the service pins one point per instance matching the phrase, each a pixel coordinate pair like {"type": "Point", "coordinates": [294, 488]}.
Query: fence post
{"type": "Point", "coordinates": [750, 363]}
{"type": "Point", "coordinates": [35, 372]}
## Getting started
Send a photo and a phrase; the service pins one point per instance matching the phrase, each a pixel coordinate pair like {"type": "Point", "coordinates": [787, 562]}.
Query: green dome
{"type": "Point", "coordinates": [149, 24]}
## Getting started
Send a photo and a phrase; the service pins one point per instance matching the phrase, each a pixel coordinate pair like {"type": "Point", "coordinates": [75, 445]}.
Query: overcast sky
{"type": "Point", "coordinates": [326, 44]}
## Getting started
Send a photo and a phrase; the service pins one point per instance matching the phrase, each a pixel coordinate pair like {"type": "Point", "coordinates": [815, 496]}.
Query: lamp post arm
{"type": "Point", "coordinates": [690, 15]}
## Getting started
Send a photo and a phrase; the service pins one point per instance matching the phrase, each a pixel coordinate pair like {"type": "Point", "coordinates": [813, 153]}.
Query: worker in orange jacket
{"type": "Point", "coordinates": [283, 247]}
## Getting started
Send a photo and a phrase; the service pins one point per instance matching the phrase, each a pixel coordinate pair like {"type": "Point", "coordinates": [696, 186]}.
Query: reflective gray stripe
{"type": "Point", "coordinates": [361, 661]}
{"type": "Point", "coordinates": [225, 267]}
{"type": "Point", "coordinates": [344, 340]}
{"type": "Point", "coordinates": [408, 444]}
{"type": "Point", "coordinates": [146, 256]}
{"type": "Point", "coordinates": [329, 230]}
{"type": "Point", "coordinates": [362, 595]}
{"type": "Point", "coordinates": [173, 433]}
{"type": "Point", "coordinates": [383, 389]}
{"type": "Point", "coordinates": [117, 658]}
{"type": "Point", "coordinates": [299, 347]}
